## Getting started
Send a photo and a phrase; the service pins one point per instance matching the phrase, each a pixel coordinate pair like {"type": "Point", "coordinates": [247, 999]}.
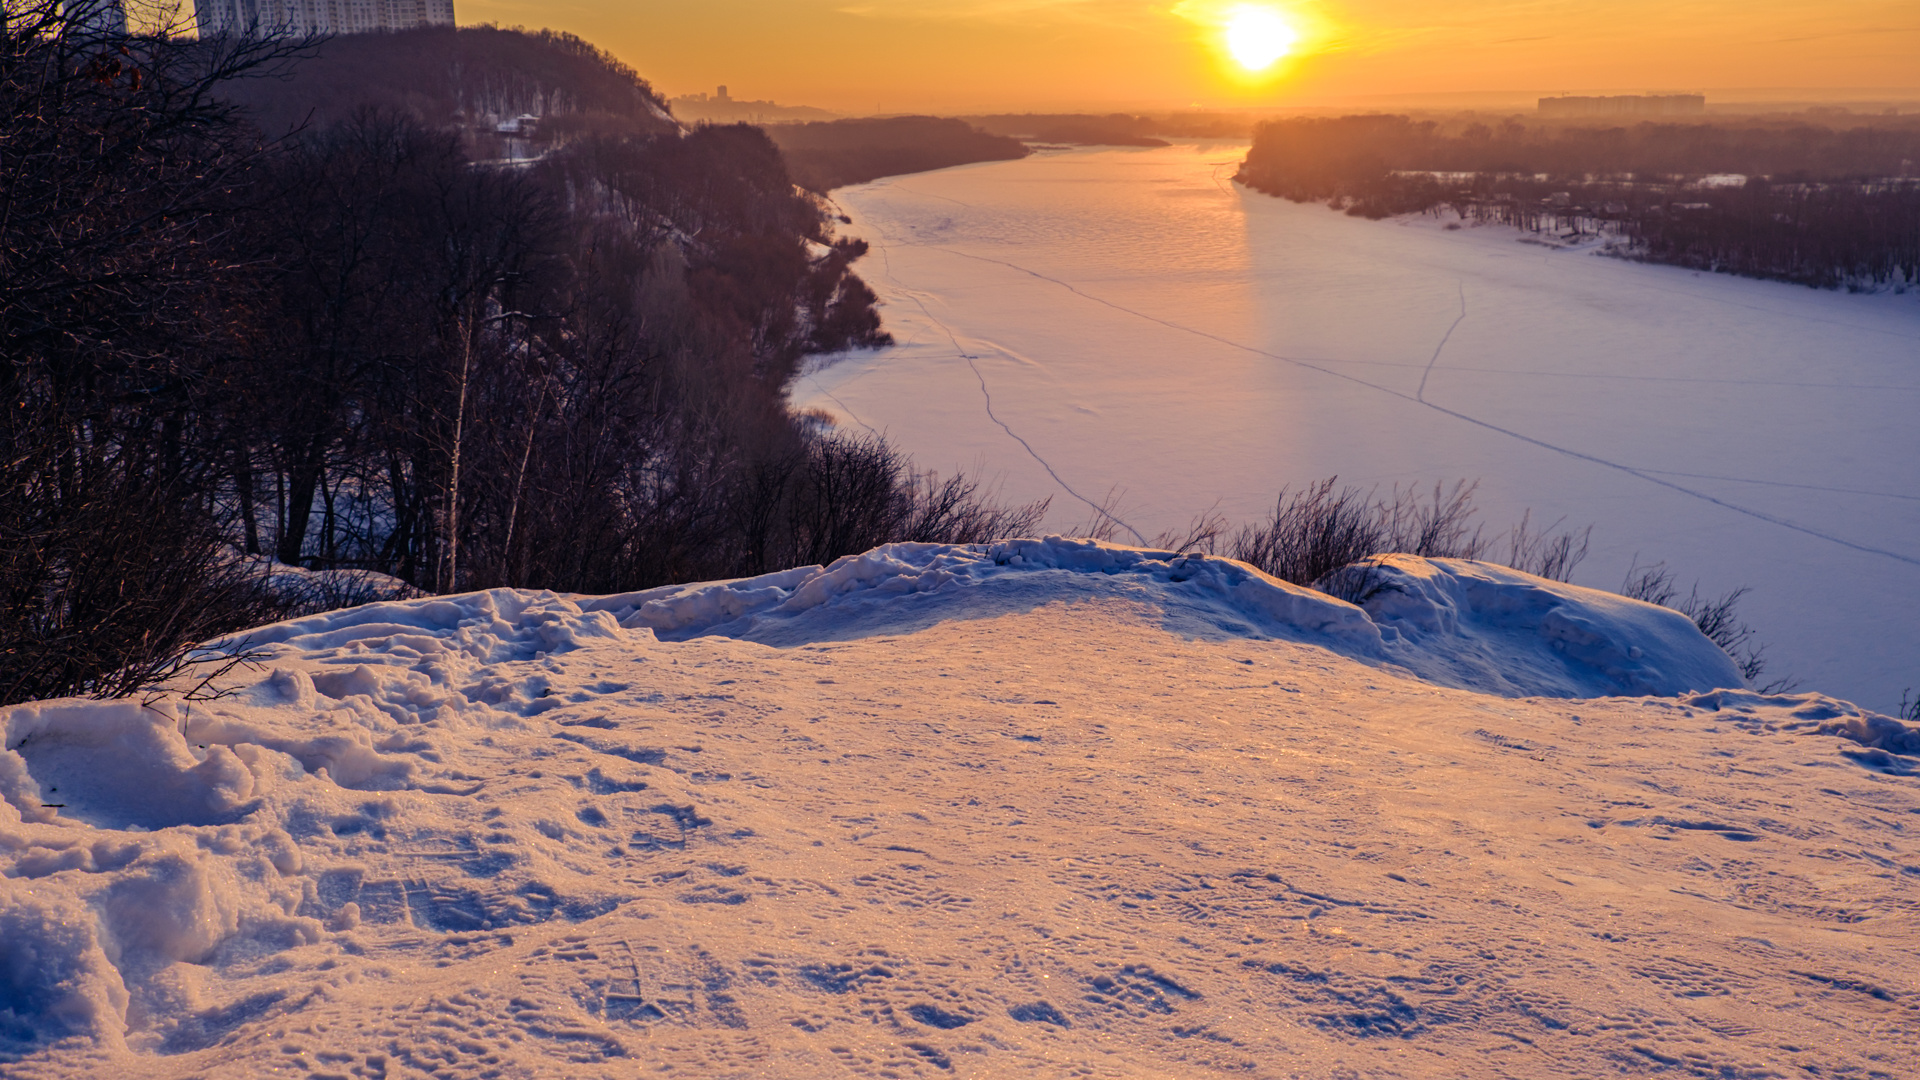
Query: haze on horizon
{"type": "Point", "coordinates": [865, 56]}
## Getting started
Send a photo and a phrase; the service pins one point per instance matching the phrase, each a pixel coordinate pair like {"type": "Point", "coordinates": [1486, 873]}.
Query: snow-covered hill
{"type": "Point", "coordinates": [1047, 808]}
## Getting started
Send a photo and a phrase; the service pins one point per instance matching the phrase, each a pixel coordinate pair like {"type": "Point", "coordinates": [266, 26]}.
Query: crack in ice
{"type": "Point", "coordinates": [1101, 511]}
{"type": "Point", "coordinates": [1014, 435]}
{"type": "Point", "coordinates": [1421, 395]}
{"type": "Point", "coordinates": [849, 410]}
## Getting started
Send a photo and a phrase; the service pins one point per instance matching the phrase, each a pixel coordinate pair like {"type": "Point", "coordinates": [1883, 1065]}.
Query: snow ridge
{"type": "Point", "coordinates": [1489, 628]}
{"type": "Point", "coordinates": [1463, 624]}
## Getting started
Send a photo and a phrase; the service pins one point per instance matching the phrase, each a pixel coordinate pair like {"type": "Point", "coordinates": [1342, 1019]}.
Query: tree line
{"type": "Point", "coordinates": [352, 346]}
{"type": "Point", "coordinates": [1792, 201]}
{"type": "Point", "coordinates": [445, 76]}
{"type": "Point", "coordinates": [827, 154]}
{"type": "Point", "coordinates": [1116, 129]}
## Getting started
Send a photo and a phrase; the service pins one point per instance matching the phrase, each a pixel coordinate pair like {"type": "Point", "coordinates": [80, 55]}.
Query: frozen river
{"type": "Point", "coordinates": [1092, 321]}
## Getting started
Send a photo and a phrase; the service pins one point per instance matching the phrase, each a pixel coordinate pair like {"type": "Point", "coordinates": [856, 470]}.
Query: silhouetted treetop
{"type": "Point", "coordinates": [477, 75]}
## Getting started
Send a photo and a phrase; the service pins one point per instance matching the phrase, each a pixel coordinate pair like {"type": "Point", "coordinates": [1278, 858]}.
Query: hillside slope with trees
{"type": "Point", "coordinates": [476, 76]}
{"type": "Point", "coordinates": [834, 153]}
{"type": "Point", "coordinates": [353, 347]}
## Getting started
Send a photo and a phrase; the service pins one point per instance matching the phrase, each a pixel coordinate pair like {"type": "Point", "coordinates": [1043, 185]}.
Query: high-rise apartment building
{"type": "Point", "coordinates": [95, 17]}
{"type": "Point", "coordinates": [252, 18]}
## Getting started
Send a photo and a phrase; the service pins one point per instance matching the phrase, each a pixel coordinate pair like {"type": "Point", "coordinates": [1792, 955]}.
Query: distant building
{"type": "Point", "coordinates": [255, 18]}
{"type": "Point", "coordinates": [723, 108]}
{"type": "Point", "coordinates": [99, 17]}
{"type": "Point", "coordinates": [1625, 105]}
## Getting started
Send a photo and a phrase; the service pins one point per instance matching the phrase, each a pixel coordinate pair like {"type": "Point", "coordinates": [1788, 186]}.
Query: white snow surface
{"type": "Point", "coordinates": [1466, 624]}
{"type": "Point", "coordinates": [1127, 319]}
{"type": "Point", "coordinates": [1039, 808]}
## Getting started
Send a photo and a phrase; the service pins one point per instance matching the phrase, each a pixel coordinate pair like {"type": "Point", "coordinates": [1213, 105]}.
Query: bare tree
{"type": "Point", "coordinates": [1718, 618]}
{"type": "Point", "coordinates": [124, 188]}
{"type": "Point", "coordinates": [1321, 528]}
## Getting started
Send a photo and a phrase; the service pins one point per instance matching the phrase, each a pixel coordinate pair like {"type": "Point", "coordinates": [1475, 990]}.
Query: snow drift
{"type": "Point", "coordinates": [1465, 624]}
{"type": "Point", "coordinates": [1488, 628]}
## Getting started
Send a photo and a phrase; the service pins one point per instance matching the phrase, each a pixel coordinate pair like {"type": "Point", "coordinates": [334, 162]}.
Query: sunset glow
{"type": "Point", "coordinates": [1258, 37]}
{"type": "Point", "coordinates": [933, 56]}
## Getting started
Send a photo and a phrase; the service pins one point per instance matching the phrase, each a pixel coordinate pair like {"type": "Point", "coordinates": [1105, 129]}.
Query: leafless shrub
{"type": "Point", "coordinates": [1105, 524]}
{"type": "Point", "coordinates": [1312, 533]}
{"type": "Point", "coordinates": [1653, 584]}
{"type": "Point", "coordinates": [842, 494]}
{"type": "Point", "coordinates": [1718, 619]}
{"type": "Point", "coordinates": [302, 593]}
{"type": "Point", "coordinates": [1318, 529]}
{"type": "Point", "coordinates": [195, 674]}
{"type": "Point", "coordinates": [816, 420]}
{"type": "Point", "coordinates": [110, 598]}
{"type": "Point", "coordinates": [845, 498]}
{"type": "Point", "coordinates": [1202, 534]}
{"type": "Point", "coordinates": [1358, 582]}
{"type": "Point", "coordinates": [956, 511]}
{"type": "Point", "coordinates": [856, 492]}
{"type": "Point", "coordinates": [1547, 553]}
{"type": "Point", "coordinates": [1909, 706]}
{"type": "Point", "coordinates": [1436, 528]}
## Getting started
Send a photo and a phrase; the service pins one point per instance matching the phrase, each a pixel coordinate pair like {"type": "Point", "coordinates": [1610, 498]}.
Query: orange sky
{"type": "Point", "coordinates": [862, 56]}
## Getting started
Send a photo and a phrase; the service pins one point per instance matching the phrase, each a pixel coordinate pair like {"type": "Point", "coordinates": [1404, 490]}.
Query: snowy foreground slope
{"type": "Point", "coordinates": [1045, 808]}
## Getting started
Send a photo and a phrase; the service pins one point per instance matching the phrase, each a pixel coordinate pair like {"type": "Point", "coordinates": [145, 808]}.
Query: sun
{"type": "Point", "coordinates": [1258, 37]}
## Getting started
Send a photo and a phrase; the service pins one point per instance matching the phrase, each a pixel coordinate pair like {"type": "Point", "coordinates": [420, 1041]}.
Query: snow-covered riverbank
{"type": "Point", "coordinates": [1123, 318]}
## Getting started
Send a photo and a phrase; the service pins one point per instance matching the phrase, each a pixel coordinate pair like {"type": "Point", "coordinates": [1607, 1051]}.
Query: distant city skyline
{"type": "Point", "coordinates": [867, 56]}
{"type": "Point", "coordinates": [722, 107]}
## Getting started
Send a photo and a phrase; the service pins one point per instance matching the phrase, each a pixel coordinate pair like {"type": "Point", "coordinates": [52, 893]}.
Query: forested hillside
{"type": "Point", "coordinates": [353, 347]}
{"type": "Point", "coordinates": [443, 76]}
{"type": "Point", "coordinates": [834, 153]}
